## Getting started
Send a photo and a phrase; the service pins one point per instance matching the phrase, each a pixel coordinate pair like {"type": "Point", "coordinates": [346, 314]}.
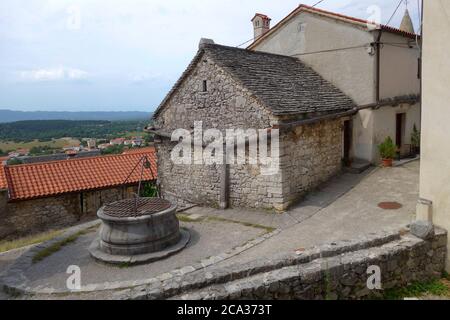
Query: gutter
{"type": "Point", "coordinates": [289, 125]}
{"type": "Point", "coordinates": [412, 99]}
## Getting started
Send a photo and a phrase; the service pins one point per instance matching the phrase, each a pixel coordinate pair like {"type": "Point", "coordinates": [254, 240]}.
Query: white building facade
{"type": "Point", "coordinates": [377, 66]}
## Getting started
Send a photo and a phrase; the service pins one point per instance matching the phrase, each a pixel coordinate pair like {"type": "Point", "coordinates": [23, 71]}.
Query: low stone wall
{"type": "Point", "coordinates": [335, 271]}
{"type": "Point", "coordinates": [24, 218]}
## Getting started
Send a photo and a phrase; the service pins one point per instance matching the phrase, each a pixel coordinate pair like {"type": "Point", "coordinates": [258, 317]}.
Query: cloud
{"type": "Point", "coordinates": [53, 74]}
{"type": "Point", "coordinates": [135, 49]}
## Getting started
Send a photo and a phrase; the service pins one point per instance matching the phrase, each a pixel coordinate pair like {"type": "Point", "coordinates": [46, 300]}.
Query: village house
{"type": "Point", "coordinates": [335, 87]}
{"type": "Point", "coordinates": [117, 141]}
{"type": "Point", "coordinates": [434, 202]}
{"type": "Point", "coordinates": [375, 65]}
{"type": "Point", "coordinates": [51, 195]}
{"type": "Point", "coordinates": [230, 88]}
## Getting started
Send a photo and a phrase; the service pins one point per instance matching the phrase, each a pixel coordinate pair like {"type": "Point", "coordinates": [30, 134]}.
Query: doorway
{"type": "Point", "coordinates": [347, 141]}
{"type": "Point", "coordinates": [400, 130]}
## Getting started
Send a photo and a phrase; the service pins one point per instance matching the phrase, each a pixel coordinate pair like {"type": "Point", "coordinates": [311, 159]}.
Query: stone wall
{"type": "Point", "coordinates": [187, 184]}
{"type": "Point", "coordinates": [24, 218]}
{"type": "Point", "coordinates": [225, 105]}
{"type": "Point", "coordinates": [311, 155]}
{"type": "Point", "coordinates": [334, 271]}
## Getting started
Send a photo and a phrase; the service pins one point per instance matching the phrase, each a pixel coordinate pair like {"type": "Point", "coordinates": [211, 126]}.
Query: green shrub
{"type": "Point", "coordinates": [149, 191]}
{"type": "Point", "coordinates": [387, 149]}
{"type": "Point", "coordinates": [415, 137]}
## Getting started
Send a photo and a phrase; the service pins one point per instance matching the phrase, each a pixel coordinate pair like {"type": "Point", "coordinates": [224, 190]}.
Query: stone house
{"type": "Point", "coordinates": [230, 88]}
{"type": "Point", "coordinates": [376, 65]}
{"type": "Point", "coordinates": [51, 195]}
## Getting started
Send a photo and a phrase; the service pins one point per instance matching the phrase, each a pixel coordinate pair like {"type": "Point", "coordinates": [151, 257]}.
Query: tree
{"type": "Point", "coordinates": [114, 149]}
{"type": "Point", "coordinates": [3, 153]}
{"type": "Point", "coordinates": [14, 161]}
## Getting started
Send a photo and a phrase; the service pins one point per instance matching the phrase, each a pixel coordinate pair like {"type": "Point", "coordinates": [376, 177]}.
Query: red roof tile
{"type": "Point", "coordinates": [139, 150]}
{"type": "Point", "coordinates": [339, 16]}
{"type": "Point", "coordinates": [58, 177]}
{"type": "Point", "coordinates": [3, 182]}
{"type": "Point", "coordinates": [262, 16]}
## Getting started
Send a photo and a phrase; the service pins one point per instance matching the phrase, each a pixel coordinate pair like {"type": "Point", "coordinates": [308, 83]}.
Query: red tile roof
{"type": "Point", "coordinates": [361, 22]}
{"type": "Point", "coordinates": [58, 177]}
{"type": "Point", "coordinates": [3, 183]}
{"type": "Point", "coordinates": [139, 150]}
{"type": "Point", "coordinates": [262, 16]}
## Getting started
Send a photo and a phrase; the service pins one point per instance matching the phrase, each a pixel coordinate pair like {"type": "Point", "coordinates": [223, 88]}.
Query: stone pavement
{"type": "Point", "coordinates": [345, 208]}
{"type": "Point", "coordinates": [353, 214]}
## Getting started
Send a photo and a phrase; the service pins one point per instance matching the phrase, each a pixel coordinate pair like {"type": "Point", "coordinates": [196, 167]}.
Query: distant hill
{"type": "Point", "coordinates": [45, 130]}
{"type": "Point", "coordinates": [12, 116]}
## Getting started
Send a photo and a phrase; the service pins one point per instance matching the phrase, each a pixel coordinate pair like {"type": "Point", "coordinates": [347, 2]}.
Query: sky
{"type": "Point", "coordinates": [116, 55]}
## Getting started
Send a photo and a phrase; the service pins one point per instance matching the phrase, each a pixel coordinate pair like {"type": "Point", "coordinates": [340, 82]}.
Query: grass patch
{"type": "Point", "coordinates": [124, 265]}
{"type": "Point", "coordinates": [438, 287]}
{"type": "Point", "coordinates": [186, 218]}
{"type": "Point", "coordinates": [54, 144]}
{"type": "Point", "coordinates": [27, 241]}
{"type": "Point", "coordinates": [247, 224]}
{"type": "Point", "coordinates": [44, 253]}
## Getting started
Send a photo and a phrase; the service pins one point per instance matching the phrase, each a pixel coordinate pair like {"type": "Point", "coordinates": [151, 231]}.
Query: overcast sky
{"type": "Point", "coordinates": [101, 55]}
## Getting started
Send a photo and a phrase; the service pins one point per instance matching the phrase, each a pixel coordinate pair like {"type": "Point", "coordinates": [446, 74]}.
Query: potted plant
{"type": "Point", "coordinates": [415, 141]}
{"type": "Point", "coordinates": [387, 151]}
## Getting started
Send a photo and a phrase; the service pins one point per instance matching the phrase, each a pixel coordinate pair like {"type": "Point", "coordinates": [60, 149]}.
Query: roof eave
{"type": "Point", "coordinates": [350, 20]}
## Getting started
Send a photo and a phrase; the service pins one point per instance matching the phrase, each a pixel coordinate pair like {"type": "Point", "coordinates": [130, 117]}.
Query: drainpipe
{"type": "Point", "coordinates": [224, 181]}
{"type": "Point", "coordinates": [378, 67]}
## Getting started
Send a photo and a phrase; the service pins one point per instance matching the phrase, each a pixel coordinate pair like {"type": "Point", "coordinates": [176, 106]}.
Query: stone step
{"type": "Point", "coordinates": [358, 166]}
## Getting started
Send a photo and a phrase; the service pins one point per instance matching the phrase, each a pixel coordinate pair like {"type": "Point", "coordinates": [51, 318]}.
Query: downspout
{"type": "Point", "coordinates": [224, 181]}
{"type": "Point", "coordinates": [378, 67]}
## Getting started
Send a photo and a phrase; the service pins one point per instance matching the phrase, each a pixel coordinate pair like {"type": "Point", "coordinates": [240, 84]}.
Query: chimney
{"type": "Point", "coordinates": [261, 24]}
{"type": "Point", "coordinates": [407, 24]}
{"type": "Point", "coordinates": [204, 42]}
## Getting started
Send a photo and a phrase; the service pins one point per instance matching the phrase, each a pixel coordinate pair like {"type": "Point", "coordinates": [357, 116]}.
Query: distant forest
{"type": "Point", "coordinates": [12, 116]}
{"type": "Point", "coordinates": [46, 130]}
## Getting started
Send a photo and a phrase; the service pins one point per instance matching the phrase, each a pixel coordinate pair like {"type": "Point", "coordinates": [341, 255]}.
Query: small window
{"type": "Point", "coordinates": [301, 27]}
{"type": "Point", "coordinates": [205, 86]}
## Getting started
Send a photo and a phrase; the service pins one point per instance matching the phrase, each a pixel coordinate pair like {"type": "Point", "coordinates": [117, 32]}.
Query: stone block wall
{"type": "Point", "coordinates": [311, 155]}
{"type": "Point", "coordinates": [250, 188]}
{"type": "Point", "coordinates": [225, 105]}
{"type": "Point", "coordinates": [332, 271]}
{"type": "Point", "coordinates": [187, 184]}
{"type": "Point", "coordinates": [25, 218]}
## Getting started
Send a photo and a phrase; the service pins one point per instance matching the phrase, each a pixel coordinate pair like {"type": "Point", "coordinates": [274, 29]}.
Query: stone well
{"type": "Point", "coordinates": [138, 231]}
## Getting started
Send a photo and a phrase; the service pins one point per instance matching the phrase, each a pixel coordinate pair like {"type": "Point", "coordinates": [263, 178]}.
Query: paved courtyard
{"type": "Point", "coordinates": [345, 208]}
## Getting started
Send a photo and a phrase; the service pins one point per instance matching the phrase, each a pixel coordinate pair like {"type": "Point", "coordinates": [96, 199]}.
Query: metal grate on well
{"type": "Point", "coordinates": [136, 207]}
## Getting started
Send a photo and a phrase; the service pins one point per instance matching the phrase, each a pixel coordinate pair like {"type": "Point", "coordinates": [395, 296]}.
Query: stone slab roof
{"type": "Point", "coordinates": [285, 85]}
{"type": "Point", "coordinates": [45, 179]}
